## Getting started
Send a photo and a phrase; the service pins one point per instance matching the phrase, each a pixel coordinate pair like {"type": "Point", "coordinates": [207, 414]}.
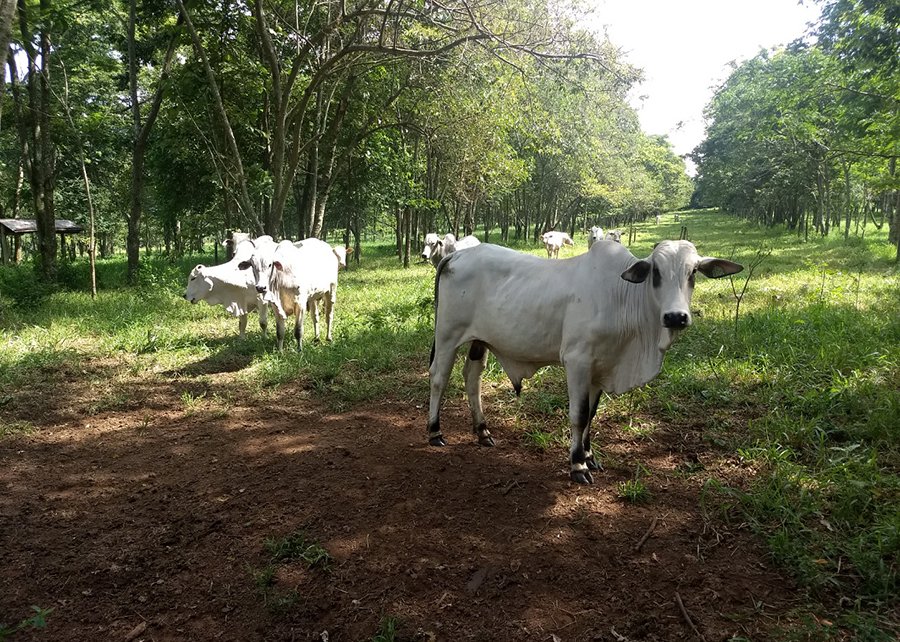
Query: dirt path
{"type": "Point", "coordinates": [149, 524]}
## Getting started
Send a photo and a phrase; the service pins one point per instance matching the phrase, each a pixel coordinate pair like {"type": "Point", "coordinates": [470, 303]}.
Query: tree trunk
{"type": "Point", "coordinates": [141, 137]}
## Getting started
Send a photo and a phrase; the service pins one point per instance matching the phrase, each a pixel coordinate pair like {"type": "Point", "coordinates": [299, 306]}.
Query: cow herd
{"type": "Point", "coordinates": [290, 277]}
{"type": "Point", "coordinates": [606, 316]}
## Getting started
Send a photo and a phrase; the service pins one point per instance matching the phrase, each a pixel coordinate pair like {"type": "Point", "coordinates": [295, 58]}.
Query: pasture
{"type": "Point", "coordinates": [161, 479]}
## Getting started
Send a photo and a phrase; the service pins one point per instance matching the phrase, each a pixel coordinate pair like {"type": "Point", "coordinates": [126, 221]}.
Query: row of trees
{"type": "Point", "coordinates": [809, 137]}
{"type": "Point", "coordinates": [176, 121]}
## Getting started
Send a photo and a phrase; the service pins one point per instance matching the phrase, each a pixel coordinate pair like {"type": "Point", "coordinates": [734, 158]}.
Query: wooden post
{"type": "Point", "coordinates": [4, 250]}
{"type": "Point", "coordinates": [17, 251]}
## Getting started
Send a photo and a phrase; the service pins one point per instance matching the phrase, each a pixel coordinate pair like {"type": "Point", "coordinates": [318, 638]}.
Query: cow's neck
{"type": "Point", "coordinates": [643, 341]}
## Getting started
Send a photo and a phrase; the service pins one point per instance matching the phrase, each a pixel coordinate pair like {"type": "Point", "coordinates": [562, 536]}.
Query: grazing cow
{"type": "Point", "coordinates": [658, 218]}
{"type": "Point", "coordinates": [436, 248]}
{"type": "Point", "coordinates": [596, 234]}
{"type": "Point", "coordinates": [553, 241]}
{"type": "Point", "coordinates": [605, 316]}
{"type": "Point", "coordinates": [613, 235]}
{"type": "Point", "coordinates": [229, 286]}
{"type": "Point", "coordinates": [302, 275]}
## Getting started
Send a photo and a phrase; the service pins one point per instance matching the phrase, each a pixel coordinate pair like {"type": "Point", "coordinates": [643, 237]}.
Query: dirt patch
{"type": "Point", "coordinates": [150, 522]}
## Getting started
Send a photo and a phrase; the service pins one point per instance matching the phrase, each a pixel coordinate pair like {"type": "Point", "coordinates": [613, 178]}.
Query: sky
{"type": "Point", "coordinates": [684, 48]}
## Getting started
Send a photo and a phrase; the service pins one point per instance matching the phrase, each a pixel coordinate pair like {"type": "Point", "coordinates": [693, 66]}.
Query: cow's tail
{"type": "Point", "coordinates": [437, 281]}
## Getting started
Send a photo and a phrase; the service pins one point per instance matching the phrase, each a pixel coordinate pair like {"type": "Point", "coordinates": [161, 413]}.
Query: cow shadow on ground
{"type": "Point", "coordinates": [169, 506]}
{"type": "Point", "coordinates": [173, 513]}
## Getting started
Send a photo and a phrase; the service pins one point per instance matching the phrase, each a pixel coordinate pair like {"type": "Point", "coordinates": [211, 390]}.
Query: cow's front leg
{"type": "Point", "coordinates": [298, 328]}
{"type": "Point", "coordinates": [589, 459]}
{"type": "Point", "coordinates": [242, 326]}
{"type": "Point", "coordinates": [472, 370]}
{"type": "Point", "coordinates": [578, 379]}
{"type": "Point", "coordinates": [263, 317]}
{"type": "Point", "coordinates": [330, 300]}
{"type": "Point", "coordinates": [313, 308]}
{"type": "Point", "coordinates": [279, 332]}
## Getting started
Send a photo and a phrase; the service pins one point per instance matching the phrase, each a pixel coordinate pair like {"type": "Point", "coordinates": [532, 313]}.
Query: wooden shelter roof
{"type": "Point", "coordinates": [29, 225]}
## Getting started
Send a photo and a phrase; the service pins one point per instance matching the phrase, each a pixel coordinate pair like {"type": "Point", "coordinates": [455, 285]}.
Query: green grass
{"type": "Point", "coordinates": [387, 630]}
{"type": "Point", "coordinates": [298, 546]}
{"type": "Point", "coordinates": [804, 392]}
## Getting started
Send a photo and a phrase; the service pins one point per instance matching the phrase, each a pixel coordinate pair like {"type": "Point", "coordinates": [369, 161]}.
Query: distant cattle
{"type": "Point", "coordinates": [553, 241]}
{"type": "Point", "coordinates": [613, 235]}
{"type": "Point", "coordinates": [302, 275]}
{"type": "Point", "coordinates": [606, 316]}
{"type": "Point", "coordinates": [595, 234]}
{"type": "Point", "coordinates": [436, 248]}
{"type": "Point", "coordinates": [229, 286]}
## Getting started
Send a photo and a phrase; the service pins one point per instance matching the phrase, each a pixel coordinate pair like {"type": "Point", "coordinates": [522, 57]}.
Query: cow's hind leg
{"type": "Point", "coordinates": [578, 379]}
{"type": "Point", "coordinates": [442, 357]}
{"type": "Point", "coordinates": [589, 459]}
{"type": "Point", "coordinates": [313, 308]}
{"type": "Point", "coordinates": [242, 326]}
{"type": "Point", "coordinates": [472, 370]}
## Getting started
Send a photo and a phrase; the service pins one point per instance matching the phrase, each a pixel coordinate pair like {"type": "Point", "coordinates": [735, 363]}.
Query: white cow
{"type": "Point", "coordinates": [596, 234]}
{"type": "Point", "coordinates": [436, 248]}
{"type": "Point", "coordinates": [613, 235]}
{"type": "Point", "coordinates": [606, 316]}
{"type": "Point", "coordinates": [229, 286]}
{"type": "Point", "coordinates": [302, 275]}
{"type": "Point", "coordinates": [553, 241]}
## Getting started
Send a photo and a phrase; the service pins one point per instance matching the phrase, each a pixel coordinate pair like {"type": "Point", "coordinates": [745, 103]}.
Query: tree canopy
{"type": "Point", "coordinates": [298, 118]}
{"type": "Point", "coordinates": [808, 137]}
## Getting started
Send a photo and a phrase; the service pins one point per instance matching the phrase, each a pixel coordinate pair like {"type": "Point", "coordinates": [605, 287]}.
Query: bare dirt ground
{"type": "Point", "coordinates": [147, 522]}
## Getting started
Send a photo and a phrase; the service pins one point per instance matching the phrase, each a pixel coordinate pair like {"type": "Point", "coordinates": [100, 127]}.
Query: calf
{"type": "Point", "coordinates": [613, 235]}
{"type": "Point", "coordinates": [553, 241]}
{"type": "Point", "coordinates": [605, 316]}
{"type": "Point", "coordinates": [302, 275]}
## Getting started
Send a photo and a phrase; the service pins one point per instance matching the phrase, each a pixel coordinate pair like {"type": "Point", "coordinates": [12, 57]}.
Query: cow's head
{"type": "Point", "coordinates": [671, 269]}
{"type": "Point", "coordinates": [199, 285]}
{"type": "Point", "coordinates": [596, 233]}
{"type": "Point", "coordinates": [432, 243]}
{"type": "Point", "coordinates": [256, 256]}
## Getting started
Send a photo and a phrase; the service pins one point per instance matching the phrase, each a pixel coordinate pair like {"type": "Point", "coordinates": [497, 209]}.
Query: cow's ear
{"type": "Point", "coordinates": [717, 268]}
{"type": "Point", "coordinates": [277, 265]}
{"type": "Point", "coordinates": [243, 265]}
{"type": "Point", "coordinates": [638, 272]}
{"type": "Point", "coordinates": [349, 250]}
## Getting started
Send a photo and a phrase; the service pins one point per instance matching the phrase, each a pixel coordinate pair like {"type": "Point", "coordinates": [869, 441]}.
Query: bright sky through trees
{"type": "Point", "coordinates": [684, 47]}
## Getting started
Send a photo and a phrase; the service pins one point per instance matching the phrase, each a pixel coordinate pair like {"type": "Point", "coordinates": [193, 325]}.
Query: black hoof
{"type": "Point", "coordinates": [592, 464]}
{"type": "Point", "coordinates": [486, 440]}
{"type": "Point", "coordinates": [581, 477]}
{"type": "Point", "coordinates": [437, 441]}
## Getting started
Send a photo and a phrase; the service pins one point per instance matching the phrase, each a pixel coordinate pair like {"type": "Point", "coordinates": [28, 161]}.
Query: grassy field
{"type": "Point", "coordinates": [804, 390]}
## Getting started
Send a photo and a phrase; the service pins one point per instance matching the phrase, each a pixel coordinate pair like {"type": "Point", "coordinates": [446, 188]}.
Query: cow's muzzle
{"type": "Point", "coordinates": [261, 289]}
{"type": "Point", "coordinates": [676, 320]}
